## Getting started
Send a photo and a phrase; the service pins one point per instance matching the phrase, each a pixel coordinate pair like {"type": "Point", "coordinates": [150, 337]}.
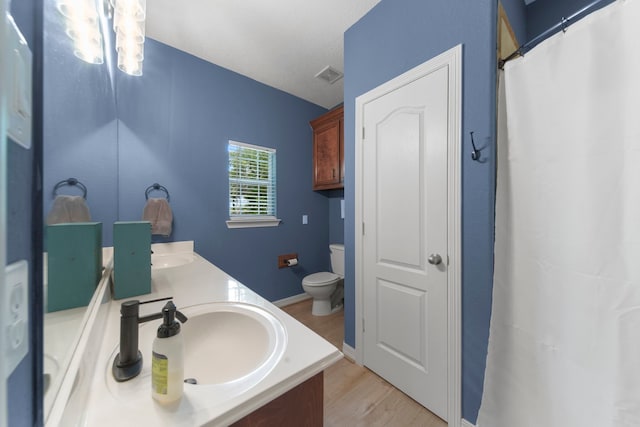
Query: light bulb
{"type": "Point", "coordinates": [129, 65]}
{"type": "Point", "coordinates": [130, 47]}
{"type": "Point", "coordinates": [89, 51]}
{"type": "Point", "coordinates": [135, 9]}
{"type": "Point", "coordinates": [131, 29]}
{"type": "Point", "coordinates": [78, 10]}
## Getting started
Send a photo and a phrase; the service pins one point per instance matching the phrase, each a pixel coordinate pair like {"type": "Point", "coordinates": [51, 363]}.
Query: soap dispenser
{"type": "Point", "coordinates": [167, 362]}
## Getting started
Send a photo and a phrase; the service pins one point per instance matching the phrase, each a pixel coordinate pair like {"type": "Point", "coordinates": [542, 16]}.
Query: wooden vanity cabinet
{"type": "Point", "coordinates": [328, 150]}
{"type": "Point", "coordinates": [301, 406]}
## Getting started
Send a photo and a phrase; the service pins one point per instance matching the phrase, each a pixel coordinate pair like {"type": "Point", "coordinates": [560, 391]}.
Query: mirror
{"type": "Point", "coordinates": [79, 120]}
{"type": "Point", "coordinates": [119, 134]}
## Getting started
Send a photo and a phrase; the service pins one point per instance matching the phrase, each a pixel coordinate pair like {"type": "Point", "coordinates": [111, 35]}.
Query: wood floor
{"type": "Point", "coordinates": [353, 395]}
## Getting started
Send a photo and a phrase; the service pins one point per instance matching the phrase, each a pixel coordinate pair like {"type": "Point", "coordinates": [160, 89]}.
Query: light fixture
{"type": "Point", "coordinates": [83, 27]}
{"type": "Point", "coordinates": [129, 26]}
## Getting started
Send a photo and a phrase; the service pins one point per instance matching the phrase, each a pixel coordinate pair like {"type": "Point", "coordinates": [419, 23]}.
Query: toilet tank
{"type": "Point", "coordinates": [337, 258]}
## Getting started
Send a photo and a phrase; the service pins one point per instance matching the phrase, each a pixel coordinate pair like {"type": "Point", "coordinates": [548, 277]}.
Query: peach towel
{"type": "Point", "coordinates": [158, 213]}
{"type": "Point", "coordinates": [67, 209]}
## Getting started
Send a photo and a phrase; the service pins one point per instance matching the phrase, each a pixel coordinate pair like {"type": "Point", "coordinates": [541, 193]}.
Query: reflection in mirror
{"type": "Point", "coordinates": [79, 141]}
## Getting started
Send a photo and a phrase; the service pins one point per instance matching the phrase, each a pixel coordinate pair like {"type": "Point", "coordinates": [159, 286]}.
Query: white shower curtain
{"type": "Point", "coordinates": [564, 346]}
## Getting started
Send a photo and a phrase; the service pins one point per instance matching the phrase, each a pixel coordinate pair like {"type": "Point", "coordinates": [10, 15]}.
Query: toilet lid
{"type": "Point", "coordinates": [322, 278]}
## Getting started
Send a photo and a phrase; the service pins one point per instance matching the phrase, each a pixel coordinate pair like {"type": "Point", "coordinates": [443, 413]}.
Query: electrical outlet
{"type": "Point", "coordinates": [305, 219]}
{"type": "Point", "coordinates": [16, 313]}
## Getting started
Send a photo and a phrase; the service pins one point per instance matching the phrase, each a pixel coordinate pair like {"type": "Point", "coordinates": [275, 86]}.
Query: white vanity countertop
{"type": "Point", "coordinates": [61, 334]}
{"type": "Point", "coordinates": [109, 403]}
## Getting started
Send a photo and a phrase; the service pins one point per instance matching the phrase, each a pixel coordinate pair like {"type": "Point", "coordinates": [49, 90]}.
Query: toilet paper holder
{"type": "Point", "coordinates": [287, 260]}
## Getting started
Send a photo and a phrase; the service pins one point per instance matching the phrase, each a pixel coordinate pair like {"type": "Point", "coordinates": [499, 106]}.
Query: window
{"type": "Point", "coordinates": [252, 186]}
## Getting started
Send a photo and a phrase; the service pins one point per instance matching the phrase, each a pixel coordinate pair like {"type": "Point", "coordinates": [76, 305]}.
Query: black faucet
{"type": "Point", "coordinates": [128, 363]}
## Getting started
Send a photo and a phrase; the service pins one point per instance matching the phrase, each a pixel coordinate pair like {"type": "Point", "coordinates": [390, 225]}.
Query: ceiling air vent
{"type": "Point", "coordinates": [329, 75]}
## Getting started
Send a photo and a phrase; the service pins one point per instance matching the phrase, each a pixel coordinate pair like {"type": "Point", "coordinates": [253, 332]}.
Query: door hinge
{"type": "Point", "coordinates": [362, 325]}
{"type": "Point", "coordinates": [363, 228]}
{"type": "Point", "coordinates": [362, 132]}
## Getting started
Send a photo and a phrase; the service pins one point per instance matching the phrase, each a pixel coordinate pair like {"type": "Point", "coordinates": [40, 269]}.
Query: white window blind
{"type": "Point", "coordinates": [252, 185]}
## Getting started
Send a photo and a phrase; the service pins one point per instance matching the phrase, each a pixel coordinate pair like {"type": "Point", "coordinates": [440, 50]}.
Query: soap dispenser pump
{"type": "Point", "coordinates": [167, 362]}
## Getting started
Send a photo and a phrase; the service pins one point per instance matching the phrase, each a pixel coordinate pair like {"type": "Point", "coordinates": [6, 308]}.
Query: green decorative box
{"type": "Point", "coordinates": [74, 264]}
{"type": "Point", "coordinates": [131, 258]}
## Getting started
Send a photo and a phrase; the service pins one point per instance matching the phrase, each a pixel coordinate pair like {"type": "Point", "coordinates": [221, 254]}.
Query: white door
{"type": "Point", "coordinates": [404, 242]}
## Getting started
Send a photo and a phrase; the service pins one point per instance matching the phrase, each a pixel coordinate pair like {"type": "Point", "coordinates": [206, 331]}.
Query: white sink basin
{"type": "Point", "coordinates": [229, 346]}
{"type": "Point", "coordinates": [160, 261]}
{"type": "Point", "coordinates": [224, 342]}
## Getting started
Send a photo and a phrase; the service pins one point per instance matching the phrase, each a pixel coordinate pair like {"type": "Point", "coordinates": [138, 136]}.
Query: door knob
{"type": "Point", "coordinates": [434, 259]}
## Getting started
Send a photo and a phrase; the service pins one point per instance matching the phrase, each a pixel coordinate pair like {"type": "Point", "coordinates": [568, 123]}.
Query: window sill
{"type": "Point", "coordinates": [253, 223]}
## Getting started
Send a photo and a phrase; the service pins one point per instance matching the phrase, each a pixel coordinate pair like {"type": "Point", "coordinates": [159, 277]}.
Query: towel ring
{"type": "Point", "coordinates": [70, 182]}
{"type": "Point", "coordinates": [157, 187]}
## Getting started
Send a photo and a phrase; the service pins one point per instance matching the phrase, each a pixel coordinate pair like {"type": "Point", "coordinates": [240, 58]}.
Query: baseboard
{"type": "Point", "coordinates": [291, 300]}
{"type": "Point", "coordinates": [348, 351]}
{"type": "Point", "coordinates": [466, 423]}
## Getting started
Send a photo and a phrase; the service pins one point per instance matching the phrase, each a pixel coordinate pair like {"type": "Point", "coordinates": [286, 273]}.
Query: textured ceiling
{"type": "Point", "coordinates": [281, 43]}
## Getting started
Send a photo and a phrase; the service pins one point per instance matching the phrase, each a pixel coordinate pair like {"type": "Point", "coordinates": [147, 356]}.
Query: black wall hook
{"type": "Point", "coordinates": [475, 154]}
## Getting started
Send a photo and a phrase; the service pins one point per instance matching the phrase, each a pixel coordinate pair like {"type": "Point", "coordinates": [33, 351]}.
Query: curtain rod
{"type": "Point", "coordinates": [563, 24]}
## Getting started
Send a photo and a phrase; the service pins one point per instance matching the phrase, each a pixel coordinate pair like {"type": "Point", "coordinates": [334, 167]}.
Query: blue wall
{"type": "Point", "coordinates": [529, 21]}
{"type": "Point", "coordinates": [336, 223]}
{"type": "Point", "coordinates": [174, 125]}
{"type": "Point", "coordinates": [19, 231]}
{"type": "Point", "coordinates": [544, 14]}
{"type": "Point", "coordinates": [392, 38]}
{"type": "Point", "coordinates": [80, 126]}
{"type": "Point", "coordinates": [516, 12]}
{"type": "Point", "coordinates": [21, 404]}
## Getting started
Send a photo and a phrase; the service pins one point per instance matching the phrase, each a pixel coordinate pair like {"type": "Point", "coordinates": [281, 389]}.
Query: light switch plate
{"type": "Point", "coordinates": [305, 219]}
{"type": "Point", "coordinates": [19, 102]}
{"type": "Point", "coordinates": [16, 312]}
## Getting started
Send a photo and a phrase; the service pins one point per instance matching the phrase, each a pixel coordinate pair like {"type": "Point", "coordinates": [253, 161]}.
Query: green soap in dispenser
{"type": "Point", "coordinates": [131, 258]}
{"type": "Point", "coordinates": [167, 358]}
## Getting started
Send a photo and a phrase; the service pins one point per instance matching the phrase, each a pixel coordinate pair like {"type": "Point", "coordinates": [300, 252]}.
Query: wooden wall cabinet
{"type": "Point", "coordinates": [328, 150]}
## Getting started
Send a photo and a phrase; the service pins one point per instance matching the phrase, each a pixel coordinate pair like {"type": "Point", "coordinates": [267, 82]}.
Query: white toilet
{"type": "Point", "coordinates": [327, 289]}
